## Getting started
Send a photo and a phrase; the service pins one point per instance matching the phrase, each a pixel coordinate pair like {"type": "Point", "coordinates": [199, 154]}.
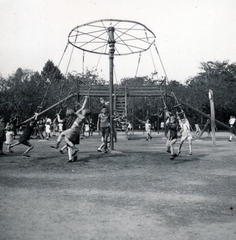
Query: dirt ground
{"type": "Point", "coordinates": [134, 192]}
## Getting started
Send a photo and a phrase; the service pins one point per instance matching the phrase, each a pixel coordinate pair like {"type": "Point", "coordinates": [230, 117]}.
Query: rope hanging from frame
{"type": "Point", "coordinates": [53, 75]}
{"type": "Point", "coordinates": [138, 64]}
{"type": "Point", "coordinates": [161, 63]}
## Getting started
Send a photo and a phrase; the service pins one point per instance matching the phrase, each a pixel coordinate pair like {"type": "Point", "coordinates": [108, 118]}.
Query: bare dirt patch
{"type": "Point", "coordinates": [135, 192]}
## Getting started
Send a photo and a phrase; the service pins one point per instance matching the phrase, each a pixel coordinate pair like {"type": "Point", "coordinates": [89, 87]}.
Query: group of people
{"type": "Point", "coordinates": [71, 126]}
{"type": "Point", "coordinates": [178, 124]}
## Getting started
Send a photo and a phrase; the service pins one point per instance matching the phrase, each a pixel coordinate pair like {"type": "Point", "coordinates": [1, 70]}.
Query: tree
{"type": "Point", "coordinates": [220, 77]}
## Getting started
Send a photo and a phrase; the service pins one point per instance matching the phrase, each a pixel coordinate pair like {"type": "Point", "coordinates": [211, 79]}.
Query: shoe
{"type": "Point", "coordinates": [146, 139]}
{"type": "Point", "coordinates": [3, 153]}
{"type": "Point", "coordinates": [168, 151]}
{"type": "Point", "coordinates": [172, 157]}
{"type": "Point", "coordinates": [190, 153]}
{"type": "Point", "coordinates": [61, 151]}
{"type": "Point", "coordinates": [99, 149]}
{"type": "Point", "coordinates": [75, 152]}
{"type": "Point", "coordinates": [106, 150]}
{"type": "Point", "coordinates": [70, 160]}
{"type": "Point", "coordinates": [229, 140]}
{"type": "Point", "coordinates": [26, 155]}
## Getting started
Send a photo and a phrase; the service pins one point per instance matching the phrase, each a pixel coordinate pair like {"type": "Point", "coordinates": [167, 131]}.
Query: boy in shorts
{"type": "Point", "coordinates": [103, 124]}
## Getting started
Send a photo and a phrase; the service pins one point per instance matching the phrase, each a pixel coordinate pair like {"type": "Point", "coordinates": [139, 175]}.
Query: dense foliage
{"type": "Point", "coordinates": [25, 92]}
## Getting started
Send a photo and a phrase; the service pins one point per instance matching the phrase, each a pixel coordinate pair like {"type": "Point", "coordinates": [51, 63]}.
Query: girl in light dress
{"type": "Point", "coordinates": [9, 138]}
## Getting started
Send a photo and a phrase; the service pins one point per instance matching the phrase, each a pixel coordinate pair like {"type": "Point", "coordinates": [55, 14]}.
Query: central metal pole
{"type": "Point", "coordinates": [111, 42]}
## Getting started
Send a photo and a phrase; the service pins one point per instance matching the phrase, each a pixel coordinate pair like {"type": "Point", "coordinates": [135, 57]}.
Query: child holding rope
{"type": "Point", "coordinates": [172, 136]}
{"type": "Point", "coordinates": [185, 133]}
{"type": "Point", "coordinates": [71, 134]}
{"type": "Point", "coordinates": [25, 137]}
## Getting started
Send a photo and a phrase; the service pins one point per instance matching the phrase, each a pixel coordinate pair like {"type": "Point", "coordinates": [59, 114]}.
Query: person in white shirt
{"type": "Point", "coordinates": [185, 133]}
{"type": "Point", "coordinates": [232, 124]}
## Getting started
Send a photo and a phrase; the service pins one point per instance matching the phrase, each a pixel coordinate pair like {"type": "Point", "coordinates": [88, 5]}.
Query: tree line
{"type": "Point", "coordinates": [25, 92]}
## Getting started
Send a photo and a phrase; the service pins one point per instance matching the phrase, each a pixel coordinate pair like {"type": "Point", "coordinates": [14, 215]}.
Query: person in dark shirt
{"type": "Point", "coordinates": [25, 136]}
{"type": "Point", "coordinates": [172, 136]}
{"type": "Point", "coordinates": [2, 134]}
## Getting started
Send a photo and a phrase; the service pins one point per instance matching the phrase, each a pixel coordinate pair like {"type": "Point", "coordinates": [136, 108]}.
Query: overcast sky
{"type": "Point", "coordinates": [187, 32]}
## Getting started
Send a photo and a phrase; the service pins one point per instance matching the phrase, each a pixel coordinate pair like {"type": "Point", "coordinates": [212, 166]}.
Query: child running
{"type": "Point", "coordinates": [25, 137]}
{"type": "Point", "coordinates": [148, 127]}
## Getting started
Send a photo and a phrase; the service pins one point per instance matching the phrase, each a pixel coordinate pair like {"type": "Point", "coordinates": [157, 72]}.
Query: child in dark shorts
{"type": "Point", "coordinates": [171, 136]}
{"type": "Point", "coordinates": [25, 136]}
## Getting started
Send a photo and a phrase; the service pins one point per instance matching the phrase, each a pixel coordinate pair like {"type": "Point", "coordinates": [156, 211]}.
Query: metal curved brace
{"type": "Point", "coordinates": [130, 37]}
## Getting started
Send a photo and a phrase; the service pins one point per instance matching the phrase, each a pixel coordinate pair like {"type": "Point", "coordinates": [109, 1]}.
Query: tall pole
{"type": "Point", "coordinates": [111, 43]}
{"type": "Point", "coordinates": [213, 126]}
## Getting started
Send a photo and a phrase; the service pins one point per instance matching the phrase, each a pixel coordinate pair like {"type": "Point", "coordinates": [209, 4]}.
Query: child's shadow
{"type": "Point", "coordinates": [185, 159]}
{"type": "Point", "coordinates": [98, 156]}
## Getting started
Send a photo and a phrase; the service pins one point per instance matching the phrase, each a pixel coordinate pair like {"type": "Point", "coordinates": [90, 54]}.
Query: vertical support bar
{"type": "Point", "coordinates": [165, 98]}
{"type": "Point", "coordinates": [111, 42]}
{"type": "Point", "coordinates": [77, 89]}
{"type": "Point", "coordinates": [158, 118]}
{"type": "Point", "coordinates": [213, 126]}
{"type": "Point", "coordinates": [126, 104]}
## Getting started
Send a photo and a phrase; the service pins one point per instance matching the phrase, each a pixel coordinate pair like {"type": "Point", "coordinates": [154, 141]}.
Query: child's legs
{"type": "Point", "coordinates": [106, 135]}
{"type": "Point", "coordinates": [114, 134]}
{"type": "Point", "coordinates": [101, 146]}
{"type": "Point", "coordinates": [15, 144]}
{"type": "Point", "coordinates": [1, 147]}
{"type": "Point", "coordinates": [63, 148]}
{"type": "Point", "coordinates": [59, 138]}
{"type": "Point", "coordinates": [168, 145]}
{"type": "Point", "coordinates": [172, 143]}
{"type": "Point", "coordinates": [190, 145]}
{"type": "Point", "coordinates": [8, 147]}
{"type": "Point", "coordinates": [70, 152]}
{"type": "Point", "coordinates": [30, 147]}
{"type": "Point", "coordinates": [69, 143]}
